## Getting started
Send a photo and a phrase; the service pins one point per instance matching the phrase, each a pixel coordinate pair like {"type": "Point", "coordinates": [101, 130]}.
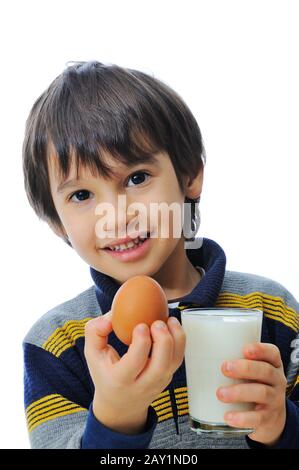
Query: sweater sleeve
{"type": "Point", "coordinates": [289, 347]}
{"type": "Point", "coordinates": [289, 438]}
{"type": "Point", "coordinates": [95, 433]}
{"type": "Point", "coordinates": [58, 408]}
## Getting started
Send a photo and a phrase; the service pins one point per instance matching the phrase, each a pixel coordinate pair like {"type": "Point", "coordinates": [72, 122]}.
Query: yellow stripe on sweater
{"type": "Point", "coordinates": [162, 406]}
{"type": "Point", "coordinates": [292, 385]}
{"type": "Point", "coordinates": [65, 336]}
{"type": "Point", "coordinates": [181, 399]}
{"type": "Point", "coordinates": [271, 302]}
{"type": "Point", "coordinates": [273, 307]}
{"type": "Point", "coordinates": [49, 407]}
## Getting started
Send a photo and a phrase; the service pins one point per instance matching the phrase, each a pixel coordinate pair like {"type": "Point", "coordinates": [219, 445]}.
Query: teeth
{"type": "Point", "coordinates": [125, 246]}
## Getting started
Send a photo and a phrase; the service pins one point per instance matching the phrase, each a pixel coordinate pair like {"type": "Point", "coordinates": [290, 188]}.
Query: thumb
{"type": "Point", "coordinates": [97, 331]}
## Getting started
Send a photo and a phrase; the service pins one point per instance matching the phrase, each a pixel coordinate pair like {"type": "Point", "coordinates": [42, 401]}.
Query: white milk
{"type": "Point", "coordinates": [213, 336]}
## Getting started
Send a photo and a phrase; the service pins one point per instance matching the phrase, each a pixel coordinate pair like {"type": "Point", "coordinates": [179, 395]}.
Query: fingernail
{"type": "Point", "coordinates": [142, 327]}
{"type": "Point", "coordinates": [223, 392]}
{"type": "Point", "coordinates": [174, 321]}
{"type": "Point", "coordinates": [230, 417]}
{"type": "Point", "coordinates": [160, 325]}
{"type": "Point", "coordinates": [228, 366]}
{"type": "Point", "coordinates": [251, 350]}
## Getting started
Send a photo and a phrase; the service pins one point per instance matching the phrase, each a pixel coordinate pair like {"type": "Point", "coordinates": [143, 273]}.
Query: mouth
{"type": "Point", "coordinates": [130, 251]}
{"type": "Point", "coordinates": [129, 245]}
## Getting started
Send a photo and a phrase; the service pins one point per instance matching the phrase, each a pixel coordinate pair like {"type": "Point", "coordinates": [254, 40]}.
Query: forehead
{"type": "Point", "coordinates": [59, 172]}
{"type": "Point", "coordinates": [114, 168]}
{"type": "Point", "coordinates": [90, 157]}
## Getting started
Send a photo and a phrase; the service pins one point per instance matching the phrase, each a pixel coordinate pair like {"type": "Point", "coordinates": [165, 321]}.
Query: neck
{"type": "Point", "coordinates": [209, 255]}
{"type": "Point", "coordinates": [178, 276]}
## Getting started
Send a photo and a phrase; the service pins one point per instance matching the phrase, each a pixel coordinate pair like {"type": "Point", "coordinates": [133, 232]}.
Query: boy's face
{"type": "Point", "coordinates": [146, 184]}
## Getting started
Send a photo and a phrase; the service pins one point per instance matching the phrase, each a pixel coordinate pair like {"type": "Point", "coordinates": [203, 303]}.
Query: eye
{"type": "Point", "coordinates": [81, 195]}
{"type": "Point", "coordinates": [138, 177]}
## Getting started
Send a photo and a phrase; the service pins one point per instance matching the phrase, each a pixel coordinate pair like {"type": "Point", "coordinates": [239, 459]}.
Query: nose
{"type": "Point", "coordinates": [111, 218]}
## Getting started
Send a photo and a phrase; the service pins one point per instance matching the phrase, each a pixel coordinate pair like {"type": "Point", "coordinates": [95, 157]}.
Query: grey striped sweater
{"type": "Point", "coordinates": [59, 390]}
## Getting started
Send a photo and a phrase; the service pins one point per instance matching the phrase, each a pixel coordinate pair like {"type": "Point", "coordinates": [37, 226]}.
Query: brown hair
{"type": "Point", "coordinates": [91, 106]}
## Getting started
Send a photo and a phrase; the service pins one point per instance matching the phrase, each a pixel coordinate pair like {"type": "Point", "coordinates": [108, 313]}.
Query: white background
{"type": "Point", "coordinates": [236, 65]}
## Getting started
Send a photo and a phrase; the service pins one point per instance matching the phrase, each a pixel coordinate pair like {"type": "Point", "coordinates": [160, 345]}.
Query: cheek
{"type": "Point", "coordinates": [81, 232]}
{"type": "Point", "coordinates": [169, 212]}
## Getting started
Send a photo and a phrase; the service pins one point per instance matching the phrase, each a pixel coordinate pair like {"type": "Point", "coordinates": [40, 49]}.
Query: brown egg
{"type": "Point", "coordinates": [140, 299]}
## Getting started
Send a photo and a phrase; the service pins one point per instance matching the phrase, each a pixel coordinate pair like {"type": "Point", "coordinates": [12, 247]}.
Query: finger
{"type": "Point", "coordinates": [263, 352]}
{"type": "Point", "coordinates": [179, 342]}
{"type": "Point", "coordinates": [259, 371]}
{"type": "Point", "coordinates": [97, 331]}
{"type": "Point", "coordinates": [244, 419]}
{"type": "Point", "coordinates": [134, 360]}
{"type": "Point", "coordinates": [158, 366]}
{"type": "Point", "coordinates": [247, 393]}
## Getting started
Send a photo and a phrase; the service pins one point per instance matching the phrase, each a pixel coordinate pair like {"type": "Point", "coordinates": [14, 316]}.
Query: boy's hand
{"type": "Point", "coordinates": [263, 366]}
{"type": "Point", "coordinates": [126, 386]}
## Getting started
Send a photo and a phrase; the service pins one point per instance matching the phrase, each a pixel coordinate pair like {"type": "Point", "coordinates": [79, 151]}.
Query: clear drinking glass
{"type": "Point", "coordinates": [214, 335]}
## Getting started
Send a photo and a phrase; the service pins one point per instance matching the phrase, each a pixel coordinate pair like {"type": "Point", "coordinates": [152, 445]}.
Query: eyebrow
{"type": "Point", "coordinates": [149, 159]}
{"type": "Point", "coordinates": [68, 184]}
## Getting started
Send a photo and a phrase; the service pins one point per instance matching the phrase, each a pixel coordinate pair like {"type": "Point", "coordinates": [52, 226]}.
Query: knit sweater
{"type": "Point", "coordinates": [59, 390]}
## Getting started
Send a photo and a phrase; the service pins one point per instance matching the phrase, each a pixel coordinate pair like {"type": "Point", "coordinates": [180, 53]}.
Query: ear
{"type": "Point", "coordinates": [194, 185]}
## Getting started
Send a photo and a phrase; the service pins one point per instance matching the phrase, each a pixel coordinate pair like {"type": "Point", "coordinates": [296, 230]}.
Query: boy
{"type": "Point", "coordinates": [88, 139]}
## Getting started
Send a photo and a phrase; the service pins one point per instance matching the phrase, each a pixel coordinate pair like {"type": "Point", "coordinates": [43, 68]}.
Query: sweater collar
{"type": "Point", "coordinates": [209, 255]}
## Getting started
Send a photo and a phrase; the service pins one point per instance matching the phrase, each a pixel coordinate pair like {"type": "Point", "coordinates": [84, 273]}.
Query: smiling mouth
{"type": "Point", "coordinates": [129, 246]}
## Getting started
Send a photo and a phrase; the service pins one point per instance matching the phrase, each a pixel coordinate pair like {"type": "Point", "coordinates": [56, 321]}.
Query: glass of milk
{"type": "Point", "coordinates": [215, 335]}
